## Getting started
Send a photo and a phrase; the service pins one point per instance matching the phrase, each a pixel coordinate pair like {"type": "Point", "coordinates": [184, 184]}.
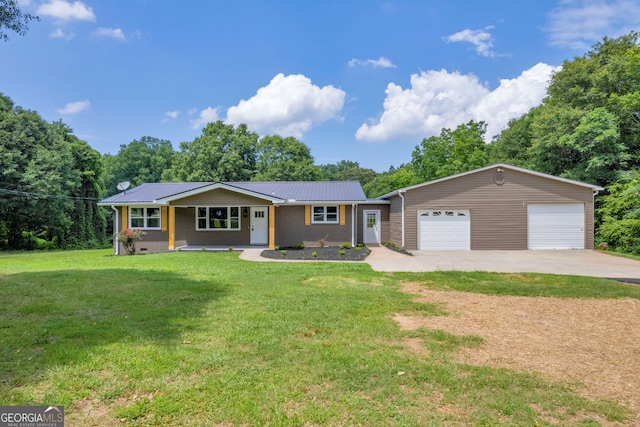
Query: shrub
{"type": "Point", "coordinates": [283, 252]}
{"type": "Point", "coordinates": [342, 252]}
{"type": "Point", "coordinates": [396, 248]}
{"type": "Point", "coordinates": [622, 235]}
{"type": "Point", "coordinates": [128, 238]}
{"type": "Point", "coordinates": [314, 254]}
{"type": "Point", "coordinates": [358, 248]}
{"type": "Point", "coordinates": [298, 246]}
{"type": "Point", "coordinates": [323, 242]}
{"type": "Point", "coordinates": [345, 245]}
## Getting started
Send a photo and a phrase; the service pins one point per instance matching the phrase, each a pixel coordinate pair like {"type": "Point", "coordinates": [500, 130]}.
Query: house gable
{"type": "Point", "coordinates": [220, 196]}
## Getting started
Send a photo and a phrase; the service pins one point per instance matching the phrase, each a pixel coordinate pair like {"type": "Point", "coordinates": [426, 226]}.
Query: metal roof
{"type": "Point", "coordinates": [307, 191]}
{"type": "Point", "coordinates": [289, 191]}
{"type": "Point", "coordinates": [497, 165]}
{"type": "Point", "coordinates": [150, 192]}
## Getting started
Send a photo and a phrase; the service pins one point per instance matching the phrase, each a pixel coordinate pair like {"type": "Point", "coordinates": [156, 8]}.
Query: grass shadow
{"type": "Point", "coordinates": [56, 318]}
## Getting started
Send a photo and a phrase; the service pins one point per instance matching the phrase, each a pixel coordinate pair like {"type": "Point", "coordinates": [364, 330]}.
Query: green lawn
{"type": "Point", "coordinates": [207, 339]}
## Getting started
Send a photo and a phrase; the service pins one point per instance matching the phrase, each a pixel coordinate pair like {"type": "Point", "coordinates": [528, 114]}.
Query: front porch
{"type": "Point", "coordinates": [211, 248]}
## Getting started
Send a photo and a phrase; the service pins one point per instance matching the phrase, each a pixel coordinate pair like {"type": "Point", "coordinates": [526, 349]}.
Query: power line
{"type": "Point", "coordinates": [45, 196]}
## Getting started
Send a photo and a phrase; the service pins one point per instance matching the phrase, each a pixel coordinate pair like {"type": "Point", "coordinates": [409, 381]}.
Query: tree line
{"type": "Point", "coordinates": [587, 129]}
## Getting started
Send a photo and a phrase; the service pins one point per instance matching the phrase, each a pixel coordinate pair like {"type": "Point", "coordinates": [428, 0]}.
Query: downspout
{"type": "Point", "coordinates": [400, 193]}
{"type": "Point", "coordinates": [354, 228]}
{"type": "Point", "coordinates": [117, 248]}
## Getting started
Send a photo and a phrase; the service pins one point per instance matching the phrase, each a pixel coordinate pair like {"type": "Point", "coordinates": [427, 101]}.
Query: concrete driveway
{"type": "Point", "coordinates": [572, 262]}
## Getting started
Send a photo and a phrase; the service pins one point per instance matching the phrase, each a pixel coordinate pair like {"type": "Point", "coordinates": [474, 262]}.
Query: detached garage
{"type": "Point", "coordinates": [499, 207]}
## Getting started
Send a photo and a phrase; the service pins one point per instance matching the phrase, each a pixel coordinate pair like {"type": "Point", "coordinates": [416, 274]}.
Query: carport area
{"type": "Point", "coordinates": [571, 262]}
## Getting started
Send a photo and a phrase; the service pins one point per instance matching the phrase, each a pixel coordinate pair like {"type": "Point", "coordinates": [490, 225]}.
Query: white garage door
{"type": "Point", "coordinates": [444, 230]}
{"type": "Point", "coordinates": [555, 226]}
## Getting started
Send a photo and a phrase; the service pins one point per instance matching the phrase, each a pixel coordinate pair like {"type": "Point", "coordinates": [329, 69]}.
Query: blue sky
{"type": "Point", "coordinates": [354, 80]}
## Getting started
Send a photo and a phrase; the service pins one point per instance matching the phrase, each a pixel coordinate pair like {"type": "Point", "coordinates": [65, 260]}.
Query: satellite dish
{"type": "Point", "coordinates": [123, 185]}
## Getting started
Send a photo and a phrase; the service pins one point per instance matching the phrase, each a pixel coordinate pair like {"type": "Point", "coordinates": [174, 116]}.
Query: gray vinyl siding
{"type": "Point", "coordinates": [498, 212]}
{"type": "Point", "coordinates": [291, 228]}
{"type": "Point", "coordinates": [186, 233]}
{"type": "Point", "coordinates": [154, 241]}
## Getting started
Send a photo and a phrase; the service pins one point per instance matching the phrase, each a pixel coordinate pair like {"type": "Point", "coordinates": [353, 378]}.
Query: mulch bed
{"type": "Point", "coordinates": [329, 253]}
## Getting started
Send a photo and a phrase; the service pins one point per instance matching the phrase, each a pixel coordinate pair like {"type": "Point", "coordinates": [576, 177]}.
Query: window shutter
{"type": "Point", "coordinates": [307, 214]}
{"type": "Point", "coordinates": [164, 218]}
{"type": "Point", "coordinates": [124, 221]}
{"type": "Point", "coordinates": [343, 214]}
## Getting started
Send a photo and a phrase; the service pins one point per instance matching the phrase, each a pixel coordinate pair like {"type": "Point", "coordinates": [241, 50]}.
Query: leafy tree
{"type": "Point", "coordinates": [599, 154]}
{"type": "Point", "coordinates": [347, 170]}
{"type": "Point", "coordinates": [588, 127]}
{"type": "Point", "coordinates": [362, 175]}
{"type": "Point", "coordinates": [619, 214]}
{"type": "Point", "coordinates": [13, 19]}
{"type": "Point", "coordinates": [49, 182]}
{"type": "Point", "coordinates": [329, 172]}
{"type": "Point", "coordinates": [138, 162]}
{"type": "Point", "coordinates": [221, 153]}
{"type": "Point", "coordinates": [395, 178]}
{"type": "Point", "coordinates": [452, 152]}
{"type": "Point", "coordinates": [89, 220]}
{"type": "Point", "coordinates": [284, 159]}
{"type": "Point", "coordinates": [513, 144]}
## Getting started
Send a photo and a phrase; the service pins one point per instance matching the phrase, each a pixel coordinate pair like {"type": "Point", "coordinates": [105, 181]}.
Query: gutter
{"type": "Point", "coordinates": [354, 207]}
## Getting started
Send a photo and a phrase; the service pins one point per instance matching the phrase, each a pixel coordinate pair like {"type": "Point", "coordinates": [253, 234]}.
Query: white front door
{"type": "Point", "coordinates": [259, 225]}
{"type": "Point", "coordinates": [371, 222]}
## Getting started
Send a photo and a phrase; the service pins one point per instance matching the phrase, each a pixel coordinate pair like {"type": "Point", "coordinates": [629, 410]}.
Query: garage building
{"type": "Point", "coordinates": [499, 207]}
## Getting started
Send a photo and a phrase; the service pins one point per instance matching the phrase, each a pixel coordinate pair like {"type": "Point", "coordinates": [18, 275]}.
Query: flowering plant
{"type": "Point", "coordinates": [128, 236]}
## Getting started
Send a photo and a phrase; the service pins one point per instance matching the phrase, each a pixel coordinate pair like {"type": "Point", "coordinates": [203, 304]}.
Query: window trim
{"type": "Point", "coordinates": [229, 219]}
{"type": "Point", "coordinates": [325, 214]}
{"type": "Point", "coordinates": [145, 217]}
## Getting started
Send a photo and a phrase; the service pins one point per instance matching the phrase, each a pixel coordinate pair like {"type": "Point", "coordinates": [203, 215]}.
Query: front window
{"type": "Point", "coordinates": [146, 218]}
{"type": "Point", "coordinates": [218, 218]}
{"type": "Point", "coordinates": [325, 214]}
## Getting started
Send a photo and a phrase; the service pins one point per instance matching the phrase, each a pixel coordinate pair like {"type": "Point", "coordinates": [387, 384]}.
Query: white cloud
{"type": "Point", "coordinates": [513, 98]}
{"type": "Point", "coordinates": [114, 33]}
{"type": "Point", "coordinates": [439, 99]}
{"type": "Point", "coordinates": [170, 115]}
{"type": "Point", "coordinates": [74, 107]}
{"type": "Point", "coordinates": [60, 34]}
{"type": "Point", "coordinates": [208, 115]}
{"type": "Point", "coordinates": [288, 106]}
{"type": "Point", "coordinates": [381, 62]}
{"type": "Point", "coordinates": [66, 11]}
{"type": "Point", "coordinates": [481, 39]}
{"type": "Point", "coordinates": [577, 24]}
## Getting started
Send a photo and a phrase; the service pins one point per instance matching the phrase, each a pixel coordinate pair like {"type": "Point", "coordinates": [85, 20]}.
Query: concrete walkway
{"type": "Point", "coordinates": [571, 262]}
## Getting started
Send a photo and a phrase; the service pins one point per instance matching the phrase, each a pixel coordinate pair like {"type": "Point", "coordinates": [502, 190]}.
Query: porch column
{"type": "Point", "coordinates": [272, 227]}
{"type": "Point", "coordinates": [172, 228]}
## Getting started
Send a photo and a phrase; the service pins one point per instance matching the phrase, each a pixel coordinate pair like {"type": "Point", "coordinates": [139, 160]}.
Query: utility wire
{"type": "Point", "coordinates": [44, 196]}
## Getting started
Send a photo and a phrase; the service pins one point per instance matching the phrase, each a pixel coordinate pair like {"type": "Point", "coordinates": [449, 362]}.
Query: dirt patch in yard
{"type": "Point", "coordinates": [592, 342]}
